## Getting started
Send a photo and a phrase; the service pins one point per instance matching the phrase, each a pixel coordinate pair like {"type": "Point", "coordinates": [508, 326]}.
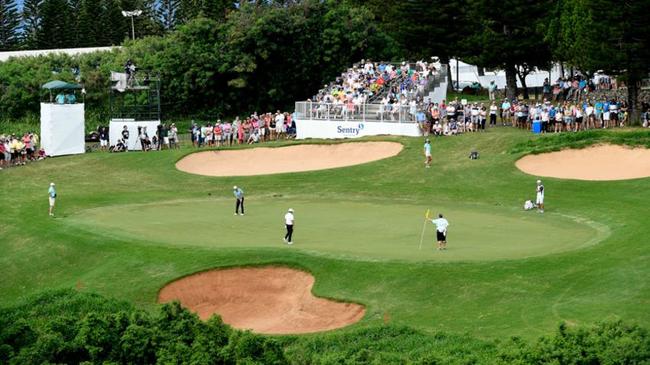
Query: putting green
{"type": "Point", "coordinates": [354, 230]}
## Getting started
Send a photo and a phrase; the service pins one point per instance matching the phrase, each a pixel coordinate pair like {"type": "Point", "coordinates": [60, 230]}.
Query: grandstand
{"type": "Point", "coordinates": [371, 99]}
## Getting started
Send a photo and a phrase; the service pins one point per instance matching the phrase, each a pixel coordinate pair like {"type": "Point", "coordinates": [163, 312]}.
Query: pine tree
{"type": "Point", "coordinates": [147, 23]}
{"type": "Point", "coordinates": [216, 9]}
{"type": "Point", "coordinates": [32, 20]}
{"type": "Point", "coordinates": [188, 10]}
{"type": "Point", "coordinates": [9, 23]}
{"type": "Point", "coordinates": [114, 24]}
{"type": "Point", "coordinates": [57, 25]}
{"type": "Point", "coordinates": [168, 13]}
{"type": "Point", "coordinates": [90, 29]}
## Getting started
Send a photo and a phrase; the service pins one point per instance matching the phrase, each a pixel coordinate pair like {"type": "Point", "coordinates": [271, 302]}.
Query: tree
{"type": "Point", "coordinates": [434, 29]}
{"type": "Point", "coordinates": [57, 28]}
{"type": "Point", "coordinates": [114, 24]}
{"type": "Point", "coordinates": [168, 13]}
{"type": "Point", "coordinates": [509, 37]}
{"type": "Point", "coordinates": [32, 20]}
{"type": "Point", "coordinates": [187, 10]}
{"type": "Point", "coordinates": [612, 36]}
{"type": "Point", "coordinates": [89, 24]}
{"type": "Point", "coordinates": [9, 24]}
{"type": "Point", "coordinates": [148, 23]}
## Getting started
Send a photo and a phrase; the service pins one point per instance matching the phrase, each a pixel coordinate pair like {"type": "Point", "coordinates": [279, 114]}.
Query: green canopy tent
{"type": "Point", "coordinates": [59, 85]}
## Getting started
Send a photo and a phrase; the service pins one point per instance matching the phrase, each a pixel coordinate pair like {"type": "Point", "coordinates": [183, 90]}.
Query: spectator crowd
{"type": "Point", "coordinates": [397, 88]}
{"type": "Point", "coordinates": [254, 129]}
{"type": "Point", "coordinates": [18, 150]}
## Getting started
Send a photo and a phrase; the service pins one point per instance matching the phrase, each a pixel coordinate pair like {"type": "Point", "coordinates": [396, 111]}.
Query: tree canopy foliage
{"type": "Point", "coordinates": [222, 58]}
{"type": "Point", "coordinates": [256, 58]}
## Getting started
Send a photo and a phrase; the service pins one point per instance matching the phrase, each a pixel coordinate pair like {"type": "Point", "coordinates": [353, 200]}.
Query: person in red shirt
{"type": "Point", "coordinates": [2, 154]}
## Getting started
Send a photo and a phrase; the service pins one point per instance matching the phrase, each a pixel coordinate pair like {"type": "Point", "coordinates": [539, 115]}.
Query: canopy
{"type": "Point", "coordinates": [57, 84]}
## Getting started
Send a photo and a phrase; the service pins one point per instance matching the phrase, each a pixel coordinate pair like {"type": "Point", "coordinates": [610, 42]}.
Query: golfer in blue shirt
{"type": "Point", "coordinates": [239, 195]}
{"type": "Point", "coordinates": [51, 192]}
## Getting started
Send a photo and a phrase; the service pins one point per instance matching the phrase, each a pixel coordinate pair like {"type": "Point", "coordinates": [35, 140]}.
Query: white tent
{"type": "Point", "coordinates": [62, 129]}
{"type": "Point", "coordinates": [117, 125]}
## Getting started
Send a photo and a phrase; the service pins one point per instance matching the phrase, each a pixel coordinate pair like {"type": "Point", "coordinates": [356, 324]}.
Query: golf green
{"type": "Point", "coordinates": [344, 229]}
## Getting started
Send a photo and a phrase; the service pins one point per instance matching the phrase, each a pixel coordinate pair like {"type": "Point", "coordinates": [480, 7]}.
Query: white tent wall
{"type": "Point", "coordinates": [117, 125]}
{"type": "Point", "coordinates": [62, 129]}
{"type": "Point", "coordinates": [468, 73]}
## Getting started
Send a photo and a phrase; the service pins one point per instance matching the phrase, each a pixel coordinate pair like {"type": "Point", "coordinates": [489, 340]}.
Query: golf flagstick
{"type": "Point", "coordinates": [424, 226]}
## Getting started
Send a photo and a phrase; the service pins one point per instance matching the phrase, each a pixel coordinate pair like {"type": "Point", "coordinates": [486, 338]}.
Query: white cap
{"type": "Point", "coordinates": [291, 210]}
{"type": "Point", "coordinates": [51, 184]}
{"type": "Point", "coordinates": [234, 187]}
{"type": "Point", "coordinates": [539, 181]}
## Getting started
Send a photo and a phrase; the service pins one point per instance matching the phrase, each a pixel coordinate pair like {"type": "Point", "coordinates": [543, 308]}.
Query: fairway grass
{"type": "Point", "coordinates": [343, 229]}
{"type": "Point", "coordinates": [127, 224]}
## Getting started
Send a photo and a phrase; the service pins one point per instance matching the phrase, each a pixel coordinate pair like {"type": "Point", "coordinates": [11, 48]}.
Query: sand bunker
{"type": "Point", "coordinates": [270, 300]}
{"type": "Point", "coordinates": [265, 160]}
{"type": "Point", "coordinates": [602, 162]}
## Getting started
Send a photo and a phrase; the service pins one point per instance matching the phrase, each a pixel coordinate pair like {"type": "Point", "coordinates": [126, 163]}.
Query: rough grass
{"type": "Point", "coordinates": [556, 142]}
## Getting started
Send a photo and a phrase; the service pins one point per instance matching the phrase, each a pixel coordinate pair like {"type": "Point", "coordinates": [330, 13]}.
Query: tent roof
{"type": "Point", "coordinates": [57, 84]}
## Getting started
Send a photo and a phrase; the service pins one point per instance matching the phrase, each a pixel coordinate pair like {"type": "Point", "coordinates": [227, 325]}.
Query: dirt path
{"type": "Point", "coordinates": [271, 300]}
{"type": "Point", "coordinates": [602, 162]}
{"type": "Point", "coordinates": [266, 160]}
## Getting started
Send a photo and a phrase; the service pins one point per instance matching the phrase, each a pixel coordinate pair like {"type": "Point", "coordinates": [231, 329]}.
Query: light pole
{"type": "Point", "coordinates": [132, 14]}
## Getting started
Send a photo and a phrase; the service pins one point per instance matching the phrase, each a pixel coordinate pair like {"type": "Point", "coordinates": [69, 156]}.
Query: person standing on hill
{"type": "Point", "coordinates": [239, 195]}
{"type": "Point", "coordinates": [427, 153]}
{"type": "Point", "coordinates": [51, 192]}
{"type": "Point", "coordinates": [441, 231]}
{"type": "Point", "coordinates": [540, 196]}
{"type": "Point", "coordinates": [288, 221]}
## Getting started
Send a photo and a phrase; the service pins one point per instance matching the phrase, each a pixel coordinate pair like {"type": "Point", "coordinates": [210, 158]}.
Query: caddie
{"type": "Point", "coordinates": [441, 231]}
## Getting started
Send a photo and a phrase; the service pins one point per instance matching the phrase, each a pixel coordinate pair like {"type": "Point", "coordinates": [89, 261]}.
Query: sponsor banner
{"type": "Point", "coordinates": [351, 129]}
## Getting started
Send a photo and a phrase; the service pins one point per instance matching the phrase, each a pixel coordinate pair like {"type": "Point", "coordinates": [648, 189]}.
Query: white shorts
{"type": "Point", "coordinates": [540, 199]}
{"type": "Point", "coordinates": [103, 142]}
{"type": "Point", "coordinates": [166, 140]}
{"type": "Point", "coordinates": [52, 201]}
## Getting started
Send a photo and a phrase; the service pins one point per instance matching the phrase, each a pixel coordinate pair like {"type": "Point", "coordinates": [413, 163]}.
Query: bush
{"type": "Point", "coordinates": [70, 327]}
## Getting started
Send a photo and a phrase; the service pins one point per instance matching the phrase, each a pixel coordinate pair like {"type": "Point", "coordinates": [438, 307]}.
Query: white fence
{"type": "Point", "coordinates": [327, 120]}
{"type": "Point", "coordinates": [308, 110]}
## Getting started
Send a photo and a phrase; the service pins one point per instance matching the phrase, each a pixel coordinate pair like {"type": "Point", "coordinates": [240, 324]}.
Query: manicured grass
{"type": "Point", "coordinates": [342, 229]}
{"type": "Point", "coordinates": [490, 297]}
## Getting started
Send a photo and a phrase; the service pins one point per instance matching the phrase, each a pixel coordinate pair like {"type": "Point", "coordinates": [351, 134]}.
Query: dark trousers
{"type": "Point", "coordinates": [238, 204]}
{"type": "Point", "coordinates": [289, 232]}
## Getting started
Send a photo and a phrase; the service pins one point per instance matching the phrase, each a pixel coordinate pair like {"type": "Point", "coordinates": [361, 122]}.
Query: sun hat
{"type": "Point", "coordinates": [539, 181]}
{"type": "Point", "coordinates": [234, 187]}
{"type": "Point", "coordinates": [291, 210]}
{"type": "Point", "coordinates": [51, 184]}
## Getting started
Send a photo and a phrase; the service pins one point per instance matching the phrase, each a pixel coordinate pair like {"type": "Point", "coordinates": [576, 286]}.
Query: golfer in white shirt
{"type": "Point", "coordinates": [427, 153]}
{"type": "Point", "coordinates": [441, 231]}
{"type": "Point", "coordinates": [288, 221]}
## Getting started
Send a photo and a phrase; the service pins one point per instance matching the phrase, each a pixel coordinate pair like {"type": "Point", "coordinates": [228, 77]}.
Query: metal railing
{"type": "Point", "coordinates": [308, 110]}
